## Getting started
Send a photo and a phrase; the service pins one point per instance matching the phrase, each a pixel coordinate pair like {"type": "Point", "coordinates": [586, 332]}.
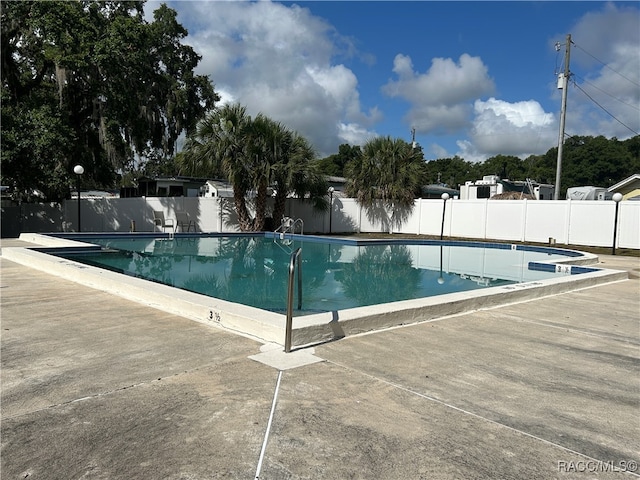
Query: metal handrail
{"type": "Point", "coordinates": [295, 222]}
{"type": "Point", "coordinates": [289, 225]}
{"type": "Point", "coordinates": [289, 324]}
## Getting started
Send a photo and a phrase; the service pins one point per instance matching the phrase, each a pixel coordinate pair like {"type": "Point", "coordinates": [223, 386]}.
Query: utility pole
{"type": "Point", "coordinates": [563, 114]}
{"type": "Point", "coordinates": [413, 137]}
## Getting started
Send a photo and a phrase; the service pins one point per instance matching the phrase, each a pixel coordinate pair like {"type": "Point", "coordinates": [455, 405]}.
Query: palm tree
{"type": "Point", "coordinates": [267, 137]}
{"type": "Point", "coordinates": [254, 154]}
{"type": "Point", "coordinates": [282, 160]}
{"type": "Point", "coordinates": [221, 144]}
{"type": "Point", "coordinates": [387, 173]}
{"type": "Point", "coordinates": [294, 172]}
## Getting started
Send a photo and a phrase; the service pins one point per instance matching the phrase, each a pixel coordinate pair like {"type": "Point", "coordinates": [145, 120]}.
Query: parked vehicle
{"type": "Point", "coordinates": [492, 185]}
{"type": "Point", "coordinates": [588, 193]}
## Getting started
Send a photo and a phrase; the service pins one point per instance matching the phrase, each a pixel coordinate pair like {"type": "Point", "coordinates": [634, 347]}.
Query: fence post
{"type": "Point", "coordinates": [523, 233]}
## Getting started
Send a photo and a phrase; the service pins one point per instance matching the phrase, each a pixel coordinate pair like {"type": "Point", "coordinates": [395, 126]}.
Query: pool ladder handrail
{"type": "Point", "coordinates": [288, 225]}
{"type": "Point", "coordinates": [292, 268]}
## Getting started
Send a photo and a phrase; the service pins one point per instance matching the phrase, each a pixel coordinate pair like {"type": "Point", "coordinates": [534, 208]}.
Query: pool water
{"type": "Point", "coordinates": [253, 270]}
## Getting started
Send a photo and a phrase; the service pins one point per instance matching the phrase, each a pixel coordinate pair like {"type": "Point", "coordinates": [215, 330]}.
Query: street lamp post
{"type": "Point", "coordinates": [445, 197]}
{"type": "Point", "coordinates": [331, 190]}
{"type": "Point", "coordinates": [78, 170]}
{"type": "Point", "coordinates": [616, 198]}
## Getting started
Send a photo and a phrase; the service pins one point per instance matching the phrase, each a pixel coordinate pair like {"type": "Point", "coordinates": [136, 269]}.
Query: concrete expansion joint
{"type": "Point", "coordinates": [96, 395]}
{"type": "Point", "coordinates": [463, 411]}
{"type": "Point", "coordinates": [268, 429]}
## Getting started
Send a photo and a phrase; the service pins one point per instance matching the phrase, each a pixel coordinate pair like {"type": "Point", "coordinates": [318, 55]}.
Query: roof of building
{"type": "Point", "coordinates": [627, 182]}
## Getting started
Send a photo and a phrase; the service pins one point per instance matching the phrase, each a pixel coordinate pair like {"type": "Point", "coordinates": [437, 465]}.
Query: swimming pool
{"type": "Point", "coordinates": [350, 286]}
{"type": "Point", "coordinates": [253, 269]}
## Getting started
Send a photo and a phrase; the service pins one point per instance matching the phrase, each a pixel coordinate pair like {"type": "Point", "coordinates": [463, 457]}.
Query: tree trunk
{"type": "Point", "coordinates": [244, 220]}
{"type": "Point", "coordinates": [279, 204]}
{"type": "Point", "coordinates": [261, 207]}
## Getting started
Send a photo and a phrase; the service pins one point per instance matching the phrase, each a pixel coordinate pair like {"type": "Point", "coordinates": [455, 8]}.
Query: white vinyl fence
{"type": "Point", "coordinates": [583, 222]}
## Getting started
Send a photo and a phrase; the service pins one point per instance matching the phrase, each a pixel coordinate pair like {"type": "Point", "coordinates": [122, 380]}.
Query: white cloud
{"type": "Point", "coordinates": [354, 134]}
{"type": "Point", "coordinates": [438, 151]}
{"type": "Point", "coordinates": [277, 60]}
{"type": "Point", "coordinates": [280, 60]}
{"type": "Point", "coordinates": [520, 129]}
{"type": "Point", "coordinates": [445, 83]}
{"type": "Point", "coordinates": [448, 98]}
{"type": "Point", "coordinates": [441, 97]}
{"type": "Point", "coordinates": [605, 63]}
{"type": "Point", "coordinates": [226, 96]}
{"type": "Point", "coordinates": [439, 119]}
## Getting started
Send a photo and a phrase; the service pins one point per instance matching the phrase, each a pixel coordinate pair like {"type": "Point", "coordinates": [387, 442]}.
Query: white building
{"type": "Point", "coordinates": [217, 188]}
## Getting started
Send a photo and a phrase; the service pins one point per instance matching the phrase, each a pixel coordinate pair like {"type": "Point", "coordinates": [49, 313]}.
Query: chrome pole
{"type": "Point", "coordinates": [289, 324]}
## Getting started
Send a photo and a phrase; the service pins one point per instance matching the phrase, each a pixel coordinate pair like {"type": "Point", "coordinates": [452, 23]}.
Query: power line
{"type": "Point", "coordinates": [569, 41]}
{"type": "Point", "coordinates": [607, 66]}
{"type": "Point", "coordinates": [605, 110]}
{"type": "Point", "coordinates": [635, 107]}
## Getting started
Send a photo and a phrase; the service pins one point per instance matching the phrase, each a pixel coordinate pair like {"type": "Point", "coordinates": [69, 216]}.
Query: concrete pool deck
{"type": "Point", "coordinates": [96, 386]}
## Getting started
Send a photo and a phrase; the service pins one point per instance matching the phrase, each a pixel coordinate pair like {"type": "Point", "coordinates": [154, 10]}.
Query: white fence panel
{"type": "Point", "coordinates": [166, 205]}
{"type": "Point", "coordinates": [629, 225]}
{"type": "Point", "coordinates": [505, 219]}
{"type": "Point", "coordinates": [314, 222]}
{"type": "Point", "coordinates": [370, 221]}
{"type": "Point", "coordinates": [430, 216]}
{"type": "Point", "coordinates": [592, 221]}
{"type": "Point", "coordinates": [105, 214]}
{"type": "Point", "coordinates": [345, 216]}
{"type": "Point", "coordinates": [547, 219]}
{"type": "Point", "coordinates": [128, 214]}
{"type": "Point", "coordinates": [41, 217]}
{"type": "Point", "coordinates": [467, 218]}
{"type": "Point", "coordinates": [412, 222]}
{"type": "Point", "coordinates": [208, 213]}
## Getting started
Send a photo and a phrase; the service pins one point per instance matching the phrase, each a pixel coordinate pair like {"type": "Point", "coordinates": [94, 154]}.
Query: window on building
{"type": "Point", "coordinates": [483, 191]}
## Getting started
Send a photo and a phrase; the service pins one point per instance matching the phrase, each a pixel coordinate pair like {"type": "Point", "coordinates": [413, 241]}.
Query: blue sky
{"type": "Point", "coordinates": [475, 79]}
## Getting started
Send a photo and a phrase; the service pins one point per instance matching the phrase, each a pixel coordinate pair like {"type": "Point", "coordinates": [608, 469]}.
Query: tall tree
{"type": "Point", "coordinates": [450, 171]}
{"type": "Point", "coordinates": [254, 154]}
{"type": "Point", "coordinates": [334, 165]}
{"type": "Point", "coordinates": [632, 145]}
{"type": "Point", "coordinates": [294, 172]}
{"type": "Point", "coordinates": [113, 87]}
{"type": "Point", "coordinates": [589, 161]}
{"type": "Point", "coordinates": [505, 166]}
{"type": "Point", "coordinates": [220, 143]}
{"type": "Point", "coordinates": [389, 172]}
{"type": "Point", "coordinates": [594, 161]}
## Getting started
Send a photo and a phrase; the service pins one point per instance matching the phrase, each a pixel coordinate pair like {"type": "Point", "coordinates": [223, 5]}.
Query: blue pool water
{"type": "Point", "coordinates": [336, 275]}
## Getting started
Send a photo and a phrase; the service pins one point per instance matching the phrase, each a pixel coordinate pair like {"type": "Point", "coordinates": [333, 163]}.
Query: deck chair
{"type": "Point", "coordinates": [183, 221]}
{"type": "Point", "coordinates": [160, 221]}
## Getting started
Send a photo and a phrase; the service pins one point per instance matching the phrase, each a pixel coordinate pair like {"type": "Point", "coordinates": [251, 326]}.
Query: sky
{"type": "Point", "coordinates": [473, 79]}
